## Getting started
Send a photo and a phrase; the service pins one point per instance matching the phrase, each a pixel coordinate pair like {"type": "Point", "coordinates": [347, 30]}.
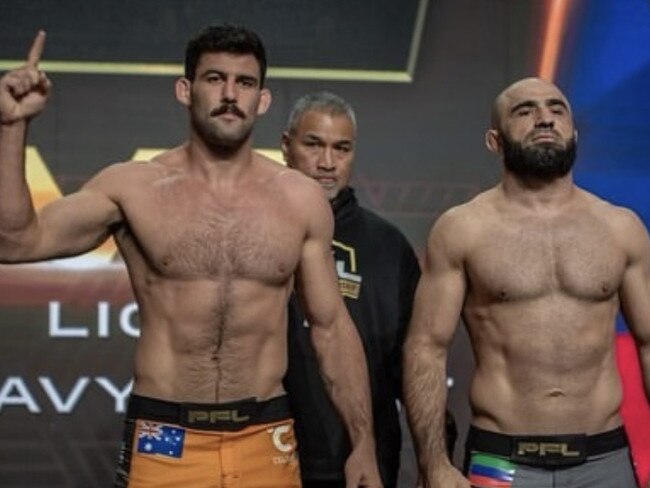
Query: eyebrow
{"type": "Point", "coordinates": [211, 71]}
{"type": "Point", "coordinates": [238, 76]}
{"type": "Point", "coordinates": [316, 137]}
{"type": "Point", "coordinates": [531, 104]}
{"type": "Point", "coordinates": [311, 135]}
{"type": "Point", "coordinates": [557, 101]}
{"type": "Point", "coordinates": [251, 78]}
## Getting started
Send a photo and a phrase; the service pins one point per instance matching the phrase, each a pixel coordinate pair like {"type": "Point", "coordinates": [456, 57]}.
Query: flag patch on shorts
{"type": "Point", "coordinates": [161, 439]}
{"type": "Point", "coordinates": [487, 471]}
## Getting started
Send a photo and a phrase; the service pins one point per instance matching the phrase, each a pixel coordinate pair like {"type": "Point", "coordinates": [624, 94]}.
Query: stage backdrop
{"type": "Point", "coordinates": [421, 74]}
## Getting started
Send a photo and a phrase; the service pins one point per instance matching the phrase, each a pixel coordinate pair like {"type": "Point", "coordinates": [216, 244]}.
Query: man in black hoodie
{"type": "Point", "coordinates": [378, 272]}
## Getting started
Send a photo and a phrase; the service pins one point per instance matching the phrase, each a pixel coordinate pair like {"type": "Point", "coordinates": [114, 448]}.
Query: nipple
{"type": "Point", "coordinates": [556, 392]}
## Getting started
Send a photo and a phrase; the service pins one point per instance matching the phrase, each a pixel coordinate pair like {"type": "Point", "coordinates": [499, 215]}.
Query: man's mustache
{"type": "Point", "coordinates": [228, 108]}
{"type": "Point", "coordinates": [538, 132]}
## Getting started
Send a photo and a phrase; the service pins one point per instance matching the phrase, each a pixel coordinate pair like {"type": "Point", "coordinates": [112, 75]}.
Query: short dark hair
{"type": "Point", "coordinates": [227, 38]}
{"type": "Point", "coordinates": [323, 101]}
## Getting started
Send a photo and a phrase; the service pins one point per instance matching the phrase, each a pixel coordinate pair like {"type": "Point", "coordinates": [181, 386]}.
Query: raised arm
{"type": "Point", "coordinates": [68, 226]}
{"type": "Point", "coordinates": [436, 311]}
{"type": "Point", "coordinates": [336, 341]}
{"type": "Point", "coordinates": [635, 289]}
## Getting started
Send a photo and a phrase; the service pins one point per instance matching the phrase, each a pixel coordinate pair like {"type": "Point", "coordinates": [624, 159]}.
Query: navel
{"type": "Point", "coordinates": [556, 392]}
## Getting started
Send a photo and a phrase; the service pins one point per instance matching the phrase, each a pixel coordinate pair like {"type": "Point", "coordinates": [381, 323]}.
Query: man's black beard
{"type": "Point", "coordinates": [544, 162]}
{"type": "Point", "coordinates": [224, 145]}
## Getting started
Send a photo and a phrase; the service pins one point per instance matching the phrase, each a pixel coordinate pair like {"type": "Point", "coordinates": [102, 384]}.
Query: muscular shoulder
{"type": "Point", "coordinates": [609, 212]}
{"type": "Point", "coordinates": [303, 193]}
{"type": "Point", "coordinates": [623, 223]}
{"type": "Point", "coordinates": [118, 175]}
{"type": "Point", "coordinates": [458, 230]}
{"type": "Point", "coordinates": [303, 200]}
{"type": "Point", "coordinates": [122, 177]}
{"type": "Point", "coordinates": [460, 224]}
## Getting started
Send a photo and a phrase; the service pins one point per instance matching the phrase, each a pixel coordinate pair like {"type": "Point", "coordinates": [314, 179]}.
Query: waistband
{"type": "Point", "coordinates": [231, 416]}
{"type": "Point", "coordinates": [546, 450]}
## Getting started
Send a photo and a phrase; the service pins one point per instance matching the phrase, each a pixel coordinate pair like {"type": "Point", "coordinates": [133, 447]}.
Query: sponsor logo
{"type": "Point", "coordinates": [287, 449]}
{"type": "Point", "coordinates": [346, 269]}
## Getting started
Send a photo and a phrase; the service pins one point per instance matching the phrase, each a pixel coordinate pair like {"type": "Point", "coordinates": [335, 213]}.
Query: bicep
{"type": "Point", "coordinates": [316, 279]}
{"type": "Point", "coordinates": [439, 296]}
{"type": "Point", "coordinates": [635, 287]}
{"type": "Point", "coordinates": [74, 224]}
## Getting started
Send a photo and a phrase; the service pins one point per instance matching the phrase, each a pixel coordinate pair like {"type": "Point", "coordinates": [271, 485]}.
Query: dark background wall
{"type": "Point", "coordinates": [420, 151]}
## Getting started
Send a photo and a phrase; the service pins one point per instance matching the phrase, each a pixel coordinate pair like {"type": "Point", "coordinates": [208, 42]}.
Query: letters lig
{"type": "Point", "coordinates": [127, 322]}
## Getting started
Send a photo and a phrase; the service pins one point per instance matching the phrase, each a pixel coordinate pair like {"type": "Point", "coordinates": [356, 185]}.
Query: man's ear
{"type": "Point", "coordinates": [493, 141]}
{"type": "Point", "coordinates": [183, 88]}
{"type": "Point", "coordinates": [286, 140]}
{"type": "Point", "coordinates": [264, 102]}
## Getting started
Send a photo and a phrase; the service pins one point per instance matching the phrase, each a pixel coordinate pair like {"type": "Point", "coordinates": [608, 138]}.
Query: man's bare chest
{"type": "Point", "coordinates": [199, 236]}
{"type": "Point", "coordinates": [530, 260]}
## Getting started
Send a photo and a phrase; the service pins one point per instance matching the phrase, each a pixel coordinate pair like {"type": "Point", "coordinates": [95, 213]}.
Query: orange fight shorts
{"type": "Point", "coordinates": [243, 444]}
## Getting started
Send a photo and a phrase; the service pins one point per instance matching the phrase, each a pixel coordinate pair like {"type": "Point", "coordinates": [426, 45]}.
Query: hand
{"type": "Point", "coordinates": [24, 91]}
{"type": "Point", "coordinates": [361, 467]}
{"type": "Point", "coordinates": [445, 476]}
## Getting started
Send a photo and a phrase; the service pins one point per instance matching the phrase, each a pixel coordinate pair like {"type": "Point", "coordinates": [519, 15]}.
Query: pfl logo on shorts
{"type": "Point", "coordinates": [554, 451]}
{"type": "Point", "coordinates": [346, 268]}
{"type": "Point", "coordinates": [546, 449]}
{"type": "Point", "coordinates": [215, 416]}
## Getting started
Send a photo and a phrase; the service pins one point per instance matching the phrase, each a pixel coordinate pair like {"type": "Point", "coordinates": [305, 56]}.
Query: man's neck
{"type": "Point", "coordinates": [226, 161]}
{"type": "Point", "coordinates": [538, 194]}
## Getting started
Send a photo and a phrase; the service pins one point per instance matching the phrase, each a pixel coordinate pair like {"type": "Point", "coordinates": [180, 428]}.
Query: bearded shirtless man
{"type": "Point", "coordinates": [538, 269]}
{"type": "Point", "coordinates": [212, 234]}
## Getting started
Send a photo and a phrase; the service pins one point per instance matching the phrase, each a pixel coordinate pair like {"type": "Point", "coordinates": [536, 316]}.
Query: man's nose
{"type": "Point", "coordinates": [544, 118]}
{"type": "Point", "coordinates": [229, 91]}
{"type": "Point", "coordinates": [326, 160]}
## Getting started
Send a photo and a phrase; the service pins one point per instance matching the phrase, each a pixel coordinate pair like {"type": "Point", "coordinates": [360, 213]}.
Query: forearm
{"type": "Point", "coordinates": [344, 371]}
{"type": "Point", "coordinates": [16, 209]}
{"type": "Point", "coordinates": [425, 397]}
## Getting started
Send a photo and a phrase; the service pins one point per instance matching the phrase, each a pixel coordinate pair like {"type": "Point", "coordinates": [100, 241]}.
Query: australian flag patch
{"type": "Point", "coordinates": [160, 439]}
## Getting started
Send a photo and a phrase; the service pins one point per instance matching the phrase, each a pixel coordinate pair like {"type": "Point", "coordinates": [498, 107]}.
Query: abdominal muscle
{"type": "Point", "coordinates": [204, 341]}
{"type": "Point", "coordinates": [549, 370]}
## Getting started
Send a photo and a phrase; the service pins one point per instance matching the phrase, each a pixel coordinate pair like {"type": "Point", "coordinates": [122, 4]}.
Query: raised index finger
{"type": "Point", "coordinates": [35, 52]}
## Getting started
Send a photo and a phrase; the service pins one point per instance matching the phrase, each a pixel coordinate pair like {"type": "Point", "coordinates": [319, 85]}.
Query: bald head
{"type": "Point", "coordinates": [532, 129]}
{"type": "Point", "coordinates": [522, 91]}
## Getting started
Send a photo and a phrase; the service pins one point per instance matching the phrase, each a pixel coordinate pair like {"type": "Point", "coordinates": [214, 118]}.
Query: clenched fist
{"type": "Point", "coordinates": [24, 91]}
